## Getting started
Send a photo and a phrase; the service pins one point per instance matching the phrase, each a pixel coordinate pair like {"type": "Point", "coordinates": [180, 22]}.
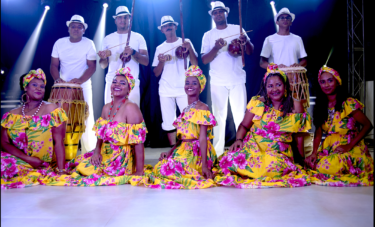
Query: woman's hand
{"type": "Point", "coordinates": [236, 145]}
{"type": "Point", "coordinates": [207, 173]}
{"type": "Point", "coordinates": [343, 149]}
{"type": "Point", "coordinates": [96, 159]}
{"type": "Point", "coordinates": [35, 162]}
{"type": "Point", "coordinates": [163, 155]}
{"type": "Point", "coordinates": [311, 161]}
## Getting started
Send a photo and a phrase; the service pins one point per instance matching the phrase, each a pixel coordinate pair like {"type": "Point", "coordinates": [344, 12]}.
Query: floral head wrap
{"type": "Point", "coordinates": [194, 70]}
{"type": "Point", "coordinates": [39, 74]}
{"type": "Point", "coordinates": [273, 69]}
{"type": "Point", "coordinates": [334, 73]}
{"type": "Point", "coordinates": [126, 72]}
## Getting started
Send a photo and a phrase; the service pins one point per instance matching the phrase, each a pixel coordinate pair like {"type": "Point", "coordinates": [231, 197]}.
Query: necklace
{"type": "Point", "coordinates": [23, 110]}
{"type": "Point", "coordinates": [110, 110]}
{"type": "Point", "coordinates": [192, 105]}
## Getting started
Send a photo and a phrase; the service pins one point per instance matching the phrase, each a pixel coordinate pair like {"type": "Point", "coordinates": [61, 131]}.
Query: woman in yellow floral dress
{"type": "Point", "coordinates": [261, 155]}
{"type": "Point", "coordinates": [185, 166]}
{"type": "Point", "coordinates": [119, 154]}
{"type": "Point", "coordinates": [343, 158]}
{"type": "Point", "coordinates": [30, 135]}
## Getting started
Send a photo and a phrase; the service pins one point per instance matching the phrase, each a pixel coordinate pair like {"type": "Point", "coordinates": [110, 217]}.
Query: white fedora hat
{"type": "Point", "coordinates": [78, 19]}
{"type": "Point", "coordinates": [218, 5]}
{"type": "Point", "coordinates": [167, 20]}
{"type": "Point", "coordinates": [121, 11]}
{"type": "Point", "coordinates": [284, 11]}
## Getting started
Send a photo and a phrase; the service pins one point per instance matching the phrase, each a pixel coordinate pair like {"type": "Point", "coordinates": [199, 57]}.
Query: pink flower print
{"type": "Point", "coordinates": [21, 141]}
{"type": "Point", "coordinates": [101, 132]}
{"type": "Point", "coordinates": [283, 146]}
{"type": "Point", "coordinates": [324, 152]}
{"type": "Point", "coordinates": [300, 182]}
{"type": "Point", "coordinates": [336, 184]}
{"type": "Point", "coordinates": [179, 168]}
{"type": "Point", "coordinates": [225, 163]}
{"type": "Point", "coordinates": [8, 167]}
{"type": "Point", "coordinates": [228, 181]}
{"type": "Point", "coordinates": [16, 185]}
{"type": "Point", "coordinates": [357, 105]}
{"type": "Point", "coordinates": [173, 185]}
{"type": "Point", "coordinates": [5, 116]}
{"type": "Point", "coordinates": [112, 124]}
{"type": "Point", "coordinates": [36, 119]}
{"type": "Point", "coordinates": [240, 161]}
{"type": "Point", "coordinates": [351, 123]}
{"type": "Point", "coordinates": [261, 132]}
{"type": "Point", "coordinates": [45, 120]}
{"type": "Point", "coordinates": [88, 154]}
{"type": "Point", "coordinates": [114, 147]}
{"type": "Point", "coordinates": [142, 134]}
{"type": "Point", "coordinates": [167, 169]}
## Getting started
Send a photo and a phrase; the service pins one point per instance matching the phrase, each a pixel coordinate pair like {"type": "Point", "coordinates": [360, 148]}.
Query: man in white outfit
{"type": "Point", "coordinates": [137, 49]}
{"type": "Point", "coordinates": [76, 57]}
{"type": "Point", "coordinates": [172, 81]}
{"type": "Point", "coordinates": [283, 48]}
{"type": "Point", "coordinates": [227, 76]}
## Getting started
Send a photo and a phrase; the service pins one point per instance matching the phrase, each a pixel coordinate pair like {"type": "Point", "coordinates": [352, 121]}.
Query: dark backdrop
{"type": "Point", "coordinates": [321, 24]}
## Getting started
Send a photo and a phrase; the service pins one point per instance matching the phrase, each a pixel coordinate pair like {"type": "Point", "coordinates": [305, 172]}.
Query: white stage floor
{"type": "Point", "coordinates": [127, 205]}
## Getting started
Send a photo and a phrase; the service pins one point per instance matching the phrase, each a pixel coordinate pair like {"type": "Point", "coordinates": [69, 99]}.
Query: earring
{"type": "Point", "coordinates": [22, 98]}
{"type": "Point", "coordinates": [286, 93]}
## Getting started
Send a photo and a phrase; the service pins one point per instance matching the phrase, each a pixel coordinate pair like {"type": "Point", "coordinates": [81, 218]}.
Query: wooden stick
{"type": "Point", "coordinates": [237, 34]}
{"type": "Point", "coordinates": [182, 33]}
{"type": "Point", "coordinates": [242, 49]}
{"type": "Point", "coordinates": [129, 32]}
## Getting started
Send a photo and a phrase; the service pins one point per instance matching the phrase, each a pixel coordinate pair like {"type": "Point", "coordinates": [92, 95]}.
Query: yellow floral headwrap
{"type": "Point", "coordinates": [273, 69]}
{"type": "Point", "coordinates": [194, 70]}
{"type": "Point", "coordinates": [34, 74]}
{"type": "Point", "coordinates": [334, 73]}
{"type": "Point", "coordinates": [126, 72]}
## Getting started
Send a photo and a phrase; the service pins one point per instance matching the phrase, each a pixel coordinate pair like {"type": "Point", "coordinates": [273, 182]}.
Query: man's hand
{"type": "Point", "coordinates": [219, 44]}
{"type": "Point", "coordinates": [104, 54]}
{"type": "Point", "coordinates": [128, 51]}
{"type": "Point", "coordinates": [77, 81]}
{"type": "Point", "coordinates": [162, 58]}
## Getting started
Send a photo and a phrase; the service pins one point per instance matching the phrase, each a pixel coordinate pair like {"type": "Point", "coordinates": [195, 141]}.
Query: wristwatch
{"type": "Point", "coordinates": [134, 51]}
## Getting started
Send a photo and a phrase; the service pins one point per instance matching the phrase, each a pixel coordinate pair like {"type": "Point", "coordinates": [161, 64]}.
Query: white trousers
{"type": "Point", "coordinates": [168, 110]}
{"type": "Point", "coordinates": [237, 99]}
{"type": "Point", "coordinates": [135, 94]}
{"type": "Point", "coordinates": [88, 139]}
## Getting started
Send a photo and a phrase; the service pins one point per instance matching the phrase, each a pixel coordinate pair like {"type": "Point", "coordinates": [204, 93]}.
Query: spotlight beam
{"type": "Point", "coordinates": [274, 12]}
{"type": "Point", "coordinates": [24, 61]}
{"type": "Point", "coordinates": [98, 78]}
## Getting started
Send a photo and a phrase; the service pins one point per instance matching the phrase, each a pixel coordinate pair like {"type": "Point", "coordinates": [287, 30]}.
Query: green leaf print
{"type": "Point", "coordinates": [207, 118]}
{"type": "Point", "coordinates": [190, 157]}
{"type": "Point", "coordinates": [46, 157]}
{"type": "Point", "coordinates": [135, 132]}
{"type": "Point", "coordinates": [265, 140]}
{"type": "Point", "coordinates": [249, 169]}
{"type": "Point", "coordinates": [186, 182]}
{"type": "Point", "coordinates": [123, 180]}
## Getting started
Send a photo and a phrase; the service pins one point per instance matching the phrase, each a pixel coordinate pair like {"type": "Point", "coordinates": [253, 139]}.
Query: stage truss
{"type": "Point", "coordinates": [356, 49]}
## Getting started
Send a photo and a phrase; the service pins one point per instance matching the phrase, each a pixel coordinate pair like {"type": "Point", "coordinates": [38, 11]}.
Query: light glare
{"type": "Point", "coordinates": [2, 71]}
{"type": "Point", "coordinates": [47, 7]}
{"type": "Point", "coordinates": [272, 3]}
{"type": "Point", "coordinates": [105, 5]}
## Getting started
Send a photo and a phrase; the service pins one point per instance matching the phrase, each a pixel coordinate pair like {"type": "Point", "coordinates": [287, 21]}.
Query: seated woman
{"type": "Point", "coordinates": [31, 135]}
{"type": "Point", "coordinates": [343, 158]}
{"type": "Point", "coordinates": [119, 154]}
{"type": "Point", "coordinates": [185, 166]}
{"type": "Point", "coordinates": [262, 156]}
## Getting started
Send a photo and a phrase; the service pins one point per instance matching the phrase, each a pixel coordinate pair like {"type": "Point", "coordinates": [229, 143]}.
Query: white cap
{"type": "Point", "coordinates": [167, 20]}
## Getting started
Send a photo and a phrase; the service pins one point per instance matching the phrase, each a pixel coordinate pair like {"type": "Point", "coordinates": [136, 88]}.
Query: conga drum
{"type": "Point", "coordinates": [69, 96]}
{"type": "Point", "coordinates": [299, 84]}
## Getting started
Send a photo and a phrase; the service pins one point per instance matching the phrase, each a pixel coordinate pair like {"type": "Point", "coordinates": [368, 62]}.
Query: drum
{"type": "Point", "coordinates": [69, 96]}
{"type": "Point", "coordinates": [299, 85]}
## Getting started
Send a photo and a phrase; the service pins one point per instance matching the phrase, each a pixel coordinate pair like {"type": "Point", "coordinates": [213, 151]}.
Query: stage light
{"type": "Point", "coordinates": [105, 5]}
{"type": "Point", "coordinates": [24, 61]}
{"type": "Point", "coordinates": [47, 7]}
{"type": "Point", "coordinates": [2, 71]}
{"type": "Point", "coordinates": [272, 3]}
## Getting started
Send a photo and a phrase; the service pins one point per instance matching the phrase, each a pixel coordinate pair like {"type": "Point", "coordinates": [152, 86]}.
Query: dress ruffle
{"type": "Point", "coordinates": [292, 122]}
{"type": "Point", "coordinates": [17, 122]}
{"type": "Point", "coordinates": [196, 116]}
{"type": "Point", "coordinates": [120, 133]}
